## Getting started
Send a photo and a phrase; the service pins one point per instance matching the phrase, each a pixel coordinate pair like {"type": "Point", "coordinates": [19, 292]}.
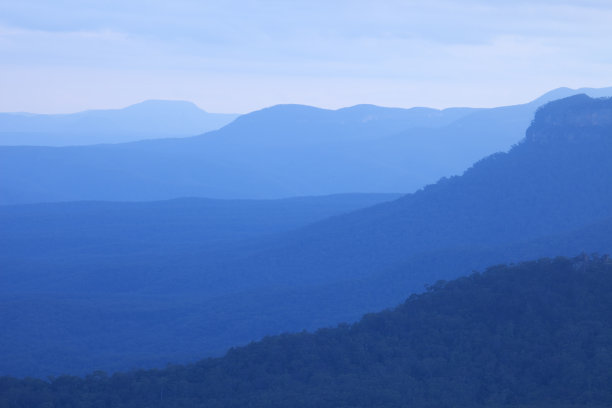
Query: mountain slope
{"type": "Point", "coordinates": [537, 189]}
{"type": "Point", "coordinates": [532, 335]}
{"type": "Point", "coordinates": [548, 196]}
{"type": "Point", "coordinates": [119, 331]}
{"type": "Point", "coordinates": [146, 120]}
{"type": "Point", "coordinates": [283, 151]}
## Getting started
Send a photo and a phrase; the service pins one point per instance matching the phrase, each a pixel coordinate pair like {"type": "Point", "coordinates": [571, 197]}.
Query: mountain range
{"type": "Point", "coordinates": [152, 119]}
{"type": "Point", "coordinates": [279, 152]}
{"type": "Point", "coordinates": [549, 195]}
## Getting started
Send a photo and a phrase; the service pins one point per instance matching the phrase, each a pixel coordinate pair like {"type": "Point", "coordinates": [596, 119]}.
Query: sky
{"type": "Point", "coordinates": [238, 56]}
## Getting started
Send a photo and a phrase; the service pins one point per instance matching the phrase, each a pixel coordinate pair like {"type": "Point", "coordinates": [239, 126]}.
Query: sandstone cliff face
{"type": "Point", "coordinates": [572, 119]}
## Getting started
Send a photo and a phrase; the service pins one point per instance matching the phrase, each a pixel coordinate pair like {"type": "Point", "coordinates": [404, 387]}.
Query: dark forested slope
{"type": "Point", "coordinates": [537, 334]}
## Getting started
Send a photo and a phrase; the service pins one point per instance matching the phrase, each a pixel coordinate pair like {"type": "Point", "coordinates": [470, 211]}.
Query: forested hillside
{"type": "Point", "coordinates": [536, 334]}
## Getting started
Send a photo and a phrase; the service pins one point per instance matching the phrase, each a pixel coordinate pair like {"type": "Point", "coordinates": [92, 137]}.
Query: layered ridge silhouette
{"type": "Point", "coordinates": [547, 196]}
{"type": "Point", "coordinates": [279, 152]}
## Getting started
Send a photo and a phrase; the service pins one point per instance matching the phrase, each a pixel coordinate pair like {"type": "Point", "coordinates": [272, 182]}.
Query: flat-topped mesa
{"type": "Point", "coordinates": [572, 119]}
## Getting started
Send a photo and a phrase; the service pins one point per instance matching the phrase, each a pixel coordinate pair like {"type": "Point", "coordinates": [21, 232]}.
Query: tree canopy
{"type": "Point", "coordinates": [536, 334]}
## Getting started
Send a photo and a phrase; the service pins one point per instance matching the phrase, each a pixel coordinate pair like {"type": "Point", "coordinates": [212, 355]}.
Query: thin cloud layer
{"type": "Point", "coordinates": [238, 56]}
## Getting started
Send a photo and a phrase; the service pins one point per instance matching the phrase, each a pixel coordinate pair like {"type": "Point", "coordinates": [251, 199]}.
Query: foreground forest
{"type": "Point", "coordinates": [536, 334]}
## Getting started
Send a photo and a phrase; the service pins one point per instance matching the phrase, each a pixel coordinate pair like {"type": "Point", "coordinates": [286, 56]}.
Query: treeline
{"type": "Point", "coordinates": [536, 334]}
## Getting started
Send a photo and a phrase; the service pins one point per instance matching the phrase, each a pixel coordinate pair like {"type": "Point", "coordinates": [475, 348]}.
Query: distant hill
{"type": "Point", "coordinates": [548, 196]}
{"type": "Point", "coordinates": [278, 152]}
{"type": "Point", "coordinates": [533, 335]}
{"type": "Point", "coordinates": [152, 119]}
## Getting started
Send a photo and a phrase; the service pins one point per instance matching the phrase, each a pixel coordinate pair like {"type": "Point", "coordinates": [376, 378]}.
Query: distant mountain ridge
{"type": "Point", "coordinates": [278, 152]}
{"type": "Point", "coordinates": [150, 119]}
{"type": "Point", "coordinates": [302, 123]}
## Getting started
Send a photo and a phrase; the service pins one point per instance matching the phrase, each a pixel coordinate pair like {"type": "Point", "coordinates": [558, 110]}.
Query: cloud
{"type": "Point", "coordinates": [521, 45]}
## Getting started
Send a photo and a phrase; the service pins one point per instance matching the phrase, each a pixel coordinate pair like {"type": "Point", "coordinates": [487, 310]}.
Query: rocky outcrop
{"type": "Point", "coordinates": [574, 119]}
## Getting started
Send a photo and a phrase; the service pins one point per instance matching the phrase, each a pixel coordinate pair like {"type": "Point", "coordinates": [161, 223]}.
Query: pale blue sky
{"type": "Point", "coordinates": [238, 56]}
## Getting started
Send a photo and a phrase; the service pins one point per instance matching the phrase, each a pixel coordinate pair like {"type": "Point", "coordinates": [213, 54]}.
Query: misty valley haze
{"type": "Point", "coordinates": [122, 283]}
{"type": "Point", "coordinates": [305, 204]}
